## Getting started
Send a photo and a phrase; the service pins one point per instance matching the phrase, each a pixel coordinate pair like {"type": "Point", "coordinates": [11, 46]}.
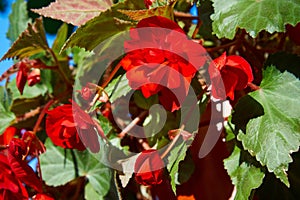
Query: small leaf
{"type": "Point", "coordinates": [245, 177]}
{"type": "Point", "coordinates": [29, 43]}
{"type": "Point", "coordinates": [271, 138]}
{"type": "Point", "coordinates": [74, 12]}
{"type": "Point", "coordinates": [254, 16]}
{"type": "Point", "coordinates": [60, 39]}
{"type": "Point", "coordinates": [118, 87]}
{"type": "Point", "coordinates": [177, 155]}
{"type": "Point", "coordinates": [143, 102]}
{"type": "Point", "coordinates": [164, 11]}
{"type": "Point", "coordinates": [18, 20]}
{"type": "Point", "coordinates": [92, 33]}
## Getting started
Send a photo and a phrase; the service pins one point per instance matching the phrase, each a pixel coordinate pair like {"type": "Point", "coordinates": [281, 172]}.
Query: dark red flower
{"type": "Point", "coordinates": [229, 73]}
{"type": "Point", "coordinates": [68, 126]}
{"type": "Point", "coordinates": [34, 77]}
{"type": "Point", "coordinates": [160, 56]}
{"type": "Point", "coordinates": [149, 168]}
{"type": "Point", "coordinates": [33, 144]}
{"type": "Point", "coordinates": [14, 172]}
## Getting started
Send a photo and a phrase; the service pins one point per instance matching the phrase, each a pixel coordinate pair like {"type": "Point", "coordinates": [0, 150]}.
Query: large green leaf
{"type": "Point", "coordinates": [118, 87]}
{"type": "Point", "coordinates": [100, 28]}
{"type": "Point", "coordinates": [18, 20]}
{"type": "Point", "coordinates": [244, 176]}
{"type": "Point", "coordinates": [6, 117]}
{"type": "Point", "coordinates": [58, 168]}
{"type": "Point", "coordinates": [56, 165]}
{"type": "Point", "coordinates": [271, 138]}
{"type": "Point", "coordinates": [32, 41]}
{"type": "Point", "coordinates": [253, 16]}
{"type": "Point", "coordinates": [76, 12]}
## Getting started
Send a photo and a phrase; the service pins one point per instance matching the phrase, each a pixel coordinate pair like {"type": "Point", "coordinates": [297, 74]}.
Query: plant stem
{"type": "Point", "coordinates": [41, 116]}
{"type": "Point", "coordinates": [253, 86]}
{"type": "Point", "coordinates": [173, 142]}
{"type": "Point", "coordinates": [132, 124]}
{"type": "Point", "coordinates": [112, 74]}
{"type": "Point", "coordinates": [223, 46]}
{"type": "Point", "coordinates": [60, 71]}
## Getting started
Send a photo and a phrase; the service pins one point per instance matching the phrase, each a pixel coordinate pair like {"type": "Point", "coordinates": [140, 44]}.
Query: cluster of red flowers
{"type": "Point", "coordinates": [160, 60]}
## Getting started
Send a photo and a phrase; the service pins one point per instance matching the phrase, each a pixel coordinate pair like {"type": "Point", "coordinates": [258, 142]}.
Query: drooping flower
{"type": "Point", "coordinates": [229, 73]}
{"type": "Point", "coordinates": [29, 70]}
{"type": "Point", "coordinates": [7, 135]}
{"type": "Point", "coordinates": [68, 126]}
{"type": "Point", "coordinates": [149, 168]}
{"type": "Point", "coordinates": [161, 60]}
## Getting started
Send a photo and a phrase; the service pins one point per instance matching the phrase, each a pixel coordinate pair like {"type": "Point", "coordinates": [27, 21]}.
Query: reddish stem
{"type": "Point", "coordinates": [41, 116]}
{"type": "Point", "coordinates": [253, 86]}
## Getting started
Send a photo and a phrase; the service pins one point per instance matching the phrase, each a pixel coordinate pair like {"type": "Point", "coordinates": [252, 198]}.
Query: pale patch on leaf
{"type": "Point", "coordinates": [137, 15]}
{"type": "Point", "coordinates": [74, 12]}
{"type": "Point", "coordinates": [30, 42]}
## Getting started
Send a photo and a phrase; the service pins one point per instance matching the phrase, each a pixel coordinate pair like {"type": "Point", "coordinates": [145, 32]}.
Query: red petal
{"type": "Point", "coordinates": [42, 197]}
{"type": "Point", "coordinates": [7, 135]}
{"type": "Point", "coordinates": [21, 80]}
{"type": "Point", "coordinates": [24, 173]}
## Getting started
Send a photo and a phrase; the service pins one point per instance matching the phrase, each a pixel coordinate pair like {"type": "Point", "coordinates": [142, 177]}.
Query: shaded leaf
{"type": "Point", "coordinates": [271, 138]}
{"type": "Point", "coordinates": [74, 12]}
{"type": "Point", "coordinates": [254, 16]}
{"type": "Point", "coordinates": [18, 20]}
{"type": "Point", "coordinates": [30, 42]}
{"type": "Point", "coordinates": [100, 28]}
{"type": "Point", "coordinates": [6, 117]}
{"type": "Point", "coordinates": [60, 39]}
{"type": "Point", "coordinates": [244, 176]}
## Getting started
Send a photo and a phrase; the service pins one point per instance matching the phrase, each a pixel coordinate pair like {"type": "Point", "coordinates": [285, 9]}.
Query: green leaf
{"type": "Point", "coordinates": [253, 16]}
{"type": "Point", "coordinates": [98, 174]}
{"type": "Point", "coordinates": [164, 11]}
{"type": "Point", "coordinates": [6, 117]}
{"type": "Point", "coordinates": [177, 155]}
{"type": "Point", "coordinates": [18, 20]}
{"type": "Point", "coordinates": [29, 43]}
{"type": "Point", "coordinates": [59, 41]}
{"type": "Point", "coordinates": [56, 166]}
{"type": "Point", "coordinates": [155, 121]}
{"type": "Point", "coordinates": [118, 87]}
{"type": "Point", "coordinates": [74, 12]}
{"type": "Point", "coordinates": [271, 138]}
{"type": "Point", "coordinates": [102, 27]}
{"type": "Point", "coordinates": [244, 176]}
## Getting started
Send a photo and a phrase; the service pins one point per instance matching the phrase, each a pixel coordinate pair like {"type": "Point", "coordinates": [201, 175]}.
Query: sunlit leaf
{"type": "Point", "coordinates": [254, 16]}
{"type": "Point", "coordinates": [137, 15]}
{"type": "Point", "coordinates": [30, 42]}
{"type": "Point", "coordinates": [271, 138]}
{"type": "Point", "coordinates": [74, 12]}
{"type": "Point", "coordinates": [6, 117]}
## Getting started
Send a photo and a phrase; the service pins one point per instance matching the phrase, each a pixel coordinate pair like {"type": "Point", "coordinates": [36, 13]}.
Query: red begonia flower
{"type": "Point", "coordinates": [160, 56]}
{"type": "Point", "coordinates": [29, 70]}
{"type": "Point", "coordinates": [68, 126]}
{"type": "Point", "coordinates": [149, 168]}
{"type": "Point", "coordinates": [34, 145]}
{"type": "Point", "coordinates": [234, 73]}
